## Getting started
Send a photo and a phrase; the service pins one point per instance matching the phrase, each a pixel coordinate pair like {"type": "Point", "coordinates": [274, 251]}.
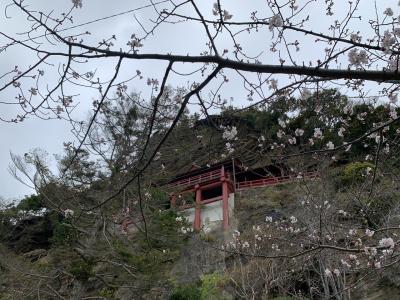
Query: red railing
{"type": "Point", "coordinates": [273, 180]}
{"type": "Point", "coordinates": [197, 179]}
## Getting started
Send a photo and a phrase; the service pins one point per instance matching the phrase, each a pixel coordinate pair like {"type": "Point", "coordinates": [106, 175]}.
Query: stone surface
{"type": "Point", "coordinates": [35, 254]}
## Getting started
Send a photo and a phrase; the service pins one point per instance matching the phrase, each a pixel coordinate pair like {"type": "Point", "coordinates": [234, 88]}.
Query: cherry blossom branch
{"type": "Point", "coordinates": [293, 28]}
{"type": "Point", "coordinates": [356, 140]}
{"type": "Point", "coordinates": [92, 120]}
{"type": "Point", "coordinates": [155, 109]}
{"type": "Point", "coordinates": [166, 135]}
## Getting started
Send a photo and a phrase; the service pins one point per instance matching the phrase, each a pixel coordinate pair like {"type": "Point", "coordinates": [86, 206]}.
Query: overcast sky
{"type": "Point", "coordinates": [186, 38]}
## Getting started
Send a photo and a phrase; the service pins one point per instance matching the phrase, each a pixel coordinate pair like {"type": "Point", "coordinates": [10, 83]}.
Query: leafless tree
{"type": "Point", "coordinates": [281, 49]}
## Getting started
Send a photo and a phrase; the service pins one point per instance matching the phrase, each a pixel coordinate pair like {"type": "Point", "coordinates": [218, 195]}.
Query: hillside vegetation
{"type": "Point", "coordinates": [88, 233]}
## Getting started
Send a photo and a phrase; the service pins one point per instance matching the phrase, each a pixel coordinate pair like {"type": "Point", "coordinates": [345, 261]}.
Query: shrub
{"type": "Point", "coordinates": [165, 223]}
{"type": "Point", "coordinates": [123, 251]}
{"type": "Point", "coordinates": [186, 292]}
{"type": "Point", "coordinates": [32, 202]}
{"type": "Point", "coordinates": [63, 234]}
{"type": "Point", "coordinates": [355, 172]}
{"type": "Point", "coordinates": [107, 293]}
{"type": "Point", "coordinates": [211, 286]}
{"type": "Point", "coordinates": [207, 237]}
{"type": "Point", "coordinates": [81, 269]}
{"type": "Point", "coordinates": [147, 260]}
{"type": "Point", "coordinates": [5, 223]}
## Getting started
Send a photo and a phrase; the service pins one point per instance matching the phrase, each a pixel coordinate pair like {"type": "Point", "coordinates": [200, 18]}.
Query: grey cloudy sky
{"type": "Point", "coordinates": [186, 38]}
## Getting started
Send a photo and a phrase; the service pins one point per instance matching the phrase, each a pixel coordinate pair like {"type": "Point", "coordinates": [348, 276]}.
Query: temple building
{"type": "Point", "coordinates": [206, 195]}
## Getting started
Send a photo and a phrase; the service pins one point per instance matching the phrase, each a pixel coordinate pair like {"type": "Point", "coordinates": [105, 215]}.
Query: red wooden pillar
{"type": "Point", "coordinates": [197, 210]}
{"type": "Point", "coordinates": [225, 203]}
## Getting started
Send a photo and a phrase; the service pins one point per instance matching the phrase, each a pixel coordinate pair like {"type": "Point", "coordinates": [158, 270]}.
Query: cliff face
{"type": "Point", "coordinates": [30, 233]}
{"type": "Point", "coordinates": [247, 261]}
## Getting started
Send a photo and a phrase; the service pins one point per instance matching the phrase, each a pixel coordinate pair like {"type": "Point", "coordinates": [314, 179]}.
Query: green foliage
{"type": "Point", "coordinates": [43, 264]}
{"type": "Point", "coordinates": [81, 170]}
{"type": "Point", "coordinates": [107, 293]}
{"type": "Point", "coordinates": [274, 197]}
{"type": "Point", "coordinates": [207, 237]}
{"type": "Point", "coordinates": [380, 205]}
{"type": "Point", "coordinates": [165, 224]}
{"type": "Point", "coordinates": [63, 234]}
{"type": "Point", "coordinates": [81, 269]}
{"type": "Point", "coordinates": [158, 196]}
{"type": "Point", "coordinates": [147, 261]}
{"type": "Point", "coordinates": [123, 251]}
{"type": "Point", "coordinates": [32, 202]}
{"type": "Point", "coordinates": [5, 221]}
{"type": "Point", "coordinates": [355, 172]}
{"type": "Point", "coordinates": [211, 284]}
{"type": "Point", "coordinates": [188, 198]}
{"type": "Point", "coordinates": [166, 221]}
{"type": "Point", "coordinates": [186, 292]}
{"type": "Point", "coordinates": [209, 288]}
{"type": "Point", "coordinates": [323, 110]}
{"type": "Point", "coordinates": [151, 261]}
{"type": "Point", "coordinates": [25, 233]}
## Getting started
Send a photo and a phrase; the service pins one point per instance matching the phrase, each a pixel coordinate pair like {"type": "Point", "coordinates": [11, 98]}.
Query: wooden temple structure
{"type": "Point", "coordinates": [215, 184]}
{"type": "Point", "coordinates": [204, 185]}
